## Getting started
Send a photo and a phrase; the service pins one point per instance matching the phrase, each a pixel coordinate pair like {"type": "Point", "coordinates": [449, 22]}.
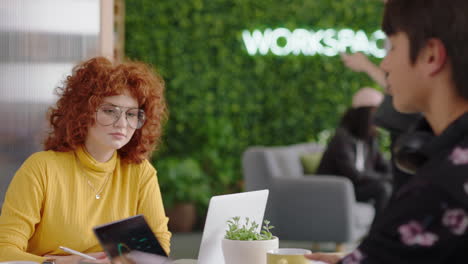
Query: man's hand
{"type": "Point", "coordinates": [72, 259]}
{"type": "Point", "coordinates": [329, 258]}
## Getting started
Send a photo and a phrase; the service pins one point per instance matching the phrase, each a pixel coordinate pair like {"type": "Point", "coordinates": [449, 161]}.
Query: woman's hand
{"type": "Point", "coordinates": [72, 259]}
{"type": "Point", "coordinates": [357, 62]}
{"type": "Point", "coordinates": [360, 63]}
{"type": "Point", "coordinates": [329, 258]}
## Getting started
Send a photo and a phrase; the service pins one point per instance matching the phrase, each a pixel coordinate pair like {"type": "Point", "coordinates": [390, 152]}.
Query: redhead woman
{"type": "Point", "coordinates": [94, 168]}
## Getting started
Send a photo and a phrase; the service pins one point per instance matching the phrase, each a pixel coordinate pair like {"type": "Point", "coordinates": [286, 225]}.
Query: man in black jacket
{"type": "Point", "coordinates": [427, 219]}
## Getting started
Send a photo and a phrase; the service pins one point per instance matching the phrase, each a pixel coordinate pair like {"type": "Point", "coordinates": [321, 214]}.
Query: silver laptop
{"type": "Point", "coordinates": [221, 209]}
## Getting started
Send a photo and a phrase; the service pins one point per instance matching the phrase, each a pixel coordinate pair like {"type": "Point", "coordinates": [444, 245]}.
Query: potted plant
{"type": "Point", "coordinates": [184, 188]}
{"type": "Point", "coordinates": [245, 244]}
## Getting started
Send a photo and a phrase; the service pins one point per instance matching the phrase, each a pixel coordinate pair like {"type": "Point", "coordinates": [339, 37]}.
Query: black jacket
{"type": "Point", "coordinates": [340, 158]}
{"type": "Point", "coordinates": [427, 219]}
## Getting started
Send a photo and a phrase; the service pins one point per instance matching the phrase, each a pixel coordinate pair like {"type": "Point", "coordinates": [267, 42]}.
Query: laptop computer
{"type": "Point", "coordinates": [221, 209]}
{"type": "Point", "coordinates": [133, 233]}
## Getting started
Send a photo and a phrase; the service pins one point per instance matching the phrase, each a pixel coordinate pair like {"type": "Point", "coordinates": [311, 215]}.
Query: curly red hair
{"type": "Point", "coordinates": [84, 91]}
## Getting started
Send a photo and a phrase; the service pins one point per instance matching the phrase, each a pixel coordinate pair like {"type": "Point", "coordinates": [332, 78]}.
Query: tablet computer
{"type": "Point", "coordinates": [130, 234]}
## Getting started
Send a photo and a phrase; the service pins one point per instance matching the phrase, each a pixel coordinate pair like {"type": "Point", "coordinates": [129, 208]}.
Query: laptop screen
{"type": "Point", "coordinates": [220, 210]}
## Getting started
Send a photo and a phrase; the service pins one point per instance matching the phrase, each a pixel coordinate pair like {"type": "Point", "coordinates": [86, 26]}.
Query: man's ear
{"type": "Point", "coordinates": [434, 55]}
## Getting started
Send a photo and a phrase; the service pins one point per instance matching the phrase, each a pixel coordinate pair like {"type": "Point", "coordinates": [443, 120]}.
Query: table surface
{"type": "Point", "coordinates": [185, 261]}
{"type": "Point", "coordinates": [194, 261]}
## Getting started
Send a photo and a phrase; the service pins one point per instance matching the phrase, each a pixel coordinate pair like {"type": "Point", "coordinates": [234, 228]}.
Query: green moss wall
{"type": "Point", "coordinates": [223, 100]}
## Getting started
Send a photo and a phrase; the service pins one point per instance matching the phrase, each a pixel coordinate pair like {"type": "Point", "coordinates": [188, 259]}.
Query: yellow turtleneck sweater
{"type": "Point", "coordinates": [50, 203]}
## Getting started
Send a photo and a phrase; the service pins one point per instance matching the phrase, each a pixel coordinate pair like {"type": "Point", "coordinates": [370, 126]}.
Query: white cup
{"type": "Point", "coordinates": [287, 256]}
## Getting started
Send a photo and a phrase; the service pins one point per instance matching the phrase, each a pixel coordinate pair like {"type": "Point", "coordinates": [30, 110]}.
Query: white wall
{"type": "Point", "coordinates": [40, 41]}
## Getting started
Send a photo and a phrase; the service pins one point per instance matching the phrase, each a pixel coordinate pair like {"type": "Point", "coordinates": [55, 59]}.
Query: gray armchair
{"type": "Point", "coordinates": [318, 208]}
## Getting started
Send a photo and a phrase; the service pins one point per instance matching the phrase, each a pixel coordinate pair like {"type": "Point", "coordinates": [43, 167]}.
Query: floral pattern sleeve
{"type": "Point", "coordinates": [427, 219]}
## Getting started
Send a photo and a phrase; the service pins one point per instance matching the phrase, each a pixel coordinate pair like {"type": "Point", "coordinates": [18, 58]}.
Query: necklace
{"type": "Point", "coordinates": [98, 192]}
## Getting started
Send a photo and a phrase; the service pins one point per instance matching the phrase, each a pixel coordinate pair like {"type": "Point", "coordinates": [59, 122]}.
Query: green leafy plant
{"type": "Point", "coordinates": [182, 180]}
{"type": "Point", "coordinates": [247, 231]}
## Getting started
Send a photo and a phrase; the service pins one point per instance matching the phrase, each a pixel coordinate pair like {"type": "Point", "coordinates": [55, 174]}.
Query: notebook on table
{"type": "Point", "coordinates": [130, 234]}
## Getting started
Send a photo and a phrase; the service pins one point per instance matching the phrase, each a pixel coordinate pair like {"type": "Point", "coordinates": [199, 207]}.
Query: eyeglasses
{"type": "Point", "coordinates": [107, 115]}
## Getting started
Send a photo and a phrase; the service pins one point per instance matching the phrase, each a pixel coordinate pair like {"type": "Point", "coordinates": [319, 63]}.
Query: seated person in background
{"type": "Point", "coordinates": [426, 220]}
{"type": "Point", "coordinates": [353, 151]}
{"type": "Point", "coordinates": [94, 169]}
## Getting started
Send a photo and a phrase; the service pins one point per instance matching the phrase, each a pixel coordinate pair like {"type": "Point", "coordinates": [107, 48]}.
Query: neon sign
{"type": "Point", "coordinates": [328, 42]}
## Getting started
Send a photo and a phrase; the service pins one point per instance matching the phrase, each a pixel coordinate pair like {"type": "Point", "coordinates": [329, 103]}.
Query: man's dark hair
{"type": "Point", "coordinates": [359, 122]}
{"type": "Point", "coordinates": [421, 20]}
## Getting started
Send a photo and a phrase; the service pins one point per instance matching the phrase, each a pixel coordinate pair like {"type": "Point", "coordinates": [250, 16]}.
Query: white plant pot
{"type": "Point", "coordinates": [247, 252]}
